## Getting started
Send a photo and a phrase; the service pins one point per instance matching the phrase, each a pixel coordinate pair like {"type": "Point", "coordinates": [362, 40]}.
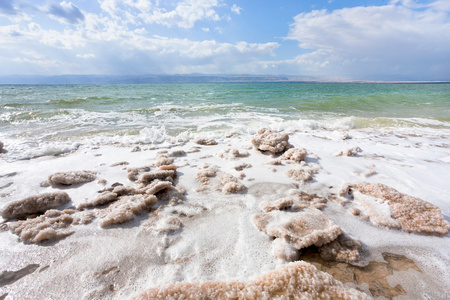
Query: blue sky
{"type": "Point", "coordinates": [341, 39]}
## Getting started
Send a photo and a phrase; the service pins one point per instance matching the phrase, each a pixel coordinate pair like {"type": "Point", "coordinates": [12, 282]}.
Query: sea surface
{"type": "Point", "coordinates": [38, 120]}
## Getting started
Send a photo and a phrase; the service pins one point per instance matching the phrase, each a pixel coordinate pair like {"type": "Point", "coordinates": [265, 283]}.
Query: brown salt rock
{"type": "Point", "coordinates": [163, 160]}
{"type": "Point", "coordinates": [303, 174]}
{"type": "Point", "coordinates": [73, 177]}
{"type": "Point", "coordinates": [231, 184]}
{"type": "Point", "coordinates": [301, 229]}
{"type": "Point", "coordinates": [205, 142]}
{"type": "Point", "coordinates": [35, 204]}
{"type": "Point", "coordinates": [299, 280]}
{"type": "Point", "coordinates": [343, 249]}
{"type": "Point", "coordinates": [294, 154]}
{"type": "Point", "coordinates": [271, 141]}
{"type": "Point", "coordinates": [133, 173]}
{"type": "Point", "coordinates": [125, 209]}
{"type": "Point", "coordinates": [53, 224]}
{"type": "Point", "coordinates": [299, 200]}
{"type": "Point", "coordinates": [102, 199]}
{"type": "Point", "coordinates": [349, 152]}
{"type": "Point", "coordinates": [409, 213]}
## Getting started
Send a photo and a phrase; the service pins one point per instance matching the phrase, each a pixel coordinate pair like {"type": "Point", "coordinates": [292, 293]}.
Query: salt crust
{"type": "Point", "coordinates": [35, 204]}
{"type": "Point", "coordinates": [349, 152]}
{"type": "Point", "coordinates": [205, 141]}
{"type": "Point", "coordinates": [133, 173]}
{"type": "Point", "coordinates": [298, 200]}
{"type": "Point", "coordinates": [229, 183]}
{"type": "Point", "coordinates": [125, 209]}
{"type": "Point", "coordinates": [412, 214]}
{"type": "Point", "coordinates": [163, 160]}
{"type": "Point", "coordinates": [343, 249]}
{"type": "Point", "coordinates": [51, 225]}
{"type": "Point", "coordinates": [294, 154]}
{"type": "Point", "coordinates": [271, 141]}
{"type": "Point", "coordinates": [300, 229]}
{"type": "Point", "coordinates": [232, 154]}
{"type": "Point", "coordinates": [299, 280]}
{"type": "Point", "coordinates": [72, 177]}
{"type": "Point", "coordinates": [303, 174]}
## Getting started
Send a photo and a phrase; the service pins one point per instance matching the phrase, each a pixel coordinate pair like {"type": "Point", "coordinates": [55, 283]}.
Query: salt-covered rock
{"type": "Point", "coordinates": [271, 140]}
{"type": "Point", "coordinates": [35, 204]}
{"type": "Point", "coordinates": [299, 280]}
{"type": "Point", "coordinates": [72, 177]}
{"type": "Point", "coordinates": [388, 207]}
{"type": "Point", "coordinates": [294, 154]}
{"type": "Point", "coordinates": [301, 229]}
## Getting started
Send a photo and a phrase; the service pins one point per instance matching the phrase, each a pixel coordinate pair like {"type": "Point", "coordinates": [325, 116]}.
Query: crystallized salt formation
{"type": "Point", "coordinates": [271, 140]}
{"type": "Point", "coordinates": [298, 200]}
{"type": "Point", "coordinates": [388, 207]}
{"type": "Point", "coordinates": [349, 152]}
{"type": "Point", "coordinates": [301, 229]}
{"type": "Point", "coordinates": [343, 249]}
{"type": "Point", "coordinates": [73, 177]}
{"type": "Point", "coordinates": [299, 280]}
{"type": "Point", "coordinates": [294, 154]}
{"type": "Point", "coordinates": [125, 209]}
{"type": "Point", "coordinates": [205, 142]}
{"type": "Point", "coordinates": [53, 224]}
{"type": "Point", "coordinates": [35, 204]}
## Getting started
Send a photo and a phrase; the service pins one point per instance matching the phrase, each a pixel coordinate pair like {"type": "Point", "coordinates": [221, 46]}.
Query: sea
{"type": "Point", "coordinates": [203, 228]}
{"type": "Point", "coordinates": [38, 120]}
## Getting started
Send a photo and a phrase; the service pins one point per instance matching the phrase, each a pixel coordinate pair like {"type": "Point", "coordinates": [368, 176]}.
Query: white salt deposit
{"type": "Point", "coordinates": [180, 237]}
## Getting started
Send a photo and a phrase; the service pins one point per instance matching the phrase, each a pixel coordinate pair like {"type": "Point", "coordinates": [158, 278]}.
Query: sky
{"type": "Point", "coordinates": [342, 39]}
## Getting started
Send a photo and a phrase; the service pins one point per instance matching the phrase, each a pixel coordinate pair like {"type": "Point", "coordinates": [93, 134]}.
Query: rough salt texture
{"type": "Point", "coordinates": [35, 204]}
{"type": "Point", "coordinates": [302, 174]}
{"type": "Point", "coordinates": [163, 160]}
{"type": "Point", "coordinates": [343, 249]}
{"type": "Point", "coordinates": [242, 166]}
{"type": "Point", "coordinates": [231, 184]}
{"type": "Point", "coordinates": [271, 141]}
{"type": "Point", "coordinates": [412, 214]}
{"type": "Point", "coordinates": [299, 280]}
{"type": "Point", "coordinates": [300, 229]}
{"type": "Point", "coordinates": [206, 142]}
{"type": "Point", "coordinates": [73, 177]}
{"type": "Point", "coordinates": [53, 224]}
{"type": "Point", "coordinates": [299, 200]}
{"type": "Point", "coordinates": [125, 209]}
{"type": "Point", "coordinates": [163, 223]}
{"type": "Point", "coordinates": [160, 174]}
{"type": "Point", "coordinates": [232, 154]}
{"type": "Point", "coordinates": [102, 199]}
{"type": "Point", "coordinates": [294, 154]}
{"type": "Point", "coordinates": [349, 152]}
{"type": "Point", "coordinates": [282, 249]}
{"type": "Point", "coordinates": [133, 173]}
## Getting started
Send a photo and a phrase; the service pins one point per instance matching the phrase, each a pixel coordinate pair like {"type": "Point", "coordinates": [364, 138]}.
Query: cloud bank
{"type": "Point", "coordinates": [401, 40]}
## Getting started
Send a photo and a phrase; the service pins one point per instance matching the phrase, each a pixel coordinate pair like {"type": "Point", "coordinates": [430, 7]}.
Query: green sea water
{"type": "Point", "coordinates": [33, 114]}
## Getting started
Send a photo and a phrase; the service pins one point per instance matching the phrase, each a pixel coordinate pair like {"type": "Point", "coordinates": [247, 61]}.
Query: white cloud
{"type": "Point", "coordinates": [236, 9]}
{"type": "Point", "coordinates": [392, 39]}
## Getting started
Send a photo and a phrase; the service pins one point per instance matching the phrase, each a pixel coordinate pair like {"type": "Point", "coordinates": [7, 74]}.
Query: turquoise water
{"type": "Point", "coordinates": [32, 114]}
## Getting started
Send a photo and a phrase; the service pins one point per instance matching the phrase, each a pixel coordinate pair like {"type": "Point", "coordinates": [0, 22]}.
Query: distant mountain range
{"type": "Point", "coordinates": [185, 78]}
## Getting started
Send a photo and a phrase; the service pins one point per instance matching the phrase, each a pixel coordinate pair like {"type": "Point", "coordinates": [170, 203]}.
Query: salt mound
{"type": "Point", "coordinates": [294, 154]}
{"type": "Point", "coordinates": [133, 173]}
{"type": "Point", "coordinates": [301, 229]}
{"type": "Point", "coordinates": [343, 249]}
{"type": "Point", "coordinates": [231, 184]}
{"type": "Point", "coordinates": [271, 140]}
{"type": "Point", "coordinates": [160, 174]}
{"type": "Point", "coordinates": [35, 204]}
{"type": "Point", "coordinates": [300, 200]}
{"type": "Point", "coordinates": [206, 142]}
{"type": "Point", "coordinates": [233, 154]}
{"type": "Point", "coordinates": [163, 160]}
{"type": "Point", "coordinates": [349, 152]}
{"type": "Point", "coordinates": [1, 146]}
{"type": "Point", "coordinates": [125, 209]}
{"type": "Point", "coordinates": [299, 280]}
{"type": "Point", "coordinates": [103, 198]}
{"type": "Point", "coordinates": [388, 207]}
{"type": "Point", "coordinates": [302, 174]}
{"type": "Point", "coordinates": [73, 177]}
{"type": "Point", "coordinates": [51, 225]}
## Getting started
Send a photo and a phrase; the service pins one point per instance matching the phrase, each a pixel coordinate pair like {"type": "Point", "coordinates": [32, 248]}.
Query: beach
{"type": "Point", "coordinates": [214, 216]}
